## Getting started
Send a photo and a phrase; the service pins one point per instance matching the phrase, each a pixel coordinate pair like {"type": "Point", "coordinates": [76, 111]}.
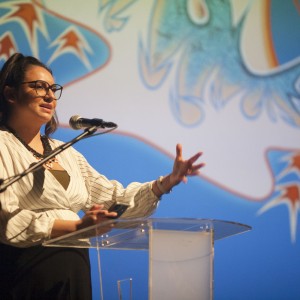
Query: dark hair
{"type": "Point", "coordinates": [12, 74]}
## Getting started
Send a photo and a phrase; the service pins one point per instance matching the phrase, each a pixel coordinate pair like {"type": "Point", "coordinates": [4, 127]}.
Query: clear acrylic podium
{"type": "Point", "coordinates": [180, 251]}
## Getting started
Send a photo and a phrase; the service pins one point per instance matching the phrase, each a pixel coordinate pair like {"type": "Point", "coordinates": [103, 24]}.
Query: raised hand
{"type": "Point", "coordinates": [183, 168]}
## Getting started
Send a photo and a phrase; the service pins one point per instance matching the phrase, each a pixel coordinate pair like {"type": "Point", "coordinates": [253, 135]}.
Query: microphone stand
{"type": "Point", "coordinates": [87, 132]}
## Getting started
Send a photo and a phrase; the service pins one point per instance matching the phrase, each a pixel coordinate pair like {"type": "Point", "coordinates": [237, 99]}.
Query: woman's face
{"type": "Point", "coordinates": [30, 102]}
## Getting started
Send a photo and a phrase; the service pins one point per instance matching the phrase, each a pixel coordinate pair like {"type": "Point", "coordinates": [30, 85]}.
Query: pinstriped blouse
{"type": "Point", "coordinates": [30, 205]}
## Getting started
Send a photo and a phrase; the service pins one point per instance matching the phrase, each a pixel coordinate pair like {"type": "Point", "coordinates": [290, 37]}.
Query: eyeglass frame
{"type": "Point", "coordinates": [60, 88]}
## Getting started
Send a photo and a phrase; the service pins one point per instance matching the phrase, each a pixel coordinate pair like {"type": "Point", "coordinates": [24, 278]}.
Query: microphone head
{"type": "Point", "coordinates": [74, 122]}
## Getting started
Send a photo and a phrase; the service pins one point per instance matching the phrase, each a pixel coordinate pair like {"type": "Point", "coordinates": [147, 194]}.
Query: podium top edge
{"type": "Point", "coordinates": [119, 227]}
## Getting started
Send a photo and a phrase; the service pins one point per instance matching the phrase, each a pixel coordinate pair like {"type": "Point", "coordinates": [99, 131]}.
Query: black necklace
{"type": "Point", "coordinates": [46, 146]}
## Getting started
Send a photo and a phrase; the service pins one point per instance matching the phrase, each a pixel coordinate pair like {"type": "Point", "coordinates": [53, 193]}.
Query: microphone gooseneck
{"type": "Point", "coordinates": [76, 122]}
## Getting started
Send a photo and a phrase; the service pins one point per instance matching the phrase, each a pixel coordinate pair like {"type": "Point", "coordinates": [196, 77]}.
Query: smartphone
{"type": "Point", "coordinates": [118, 208]}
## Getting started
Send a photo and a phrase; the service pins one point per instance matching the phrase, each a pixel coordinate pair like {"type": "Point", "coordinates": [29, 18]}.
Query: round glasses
{"type": "Point", "coordinates": [42, 88]}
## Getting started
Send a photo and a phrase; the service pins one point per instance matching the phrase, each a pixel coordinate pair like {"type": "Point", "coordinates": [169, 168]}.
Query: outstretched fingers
{"type": "Point", "coordinates": [194, 158]}
{"type": "Point", "coordinates": [195, 169]}
{"type": "Point", "coordinates": [178, 151]}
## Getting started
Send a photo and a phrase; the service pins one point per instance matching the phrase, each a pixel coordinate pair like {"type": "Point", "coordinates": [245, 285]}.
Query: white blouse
{"type": "Point", "coordinates": [30, 205]}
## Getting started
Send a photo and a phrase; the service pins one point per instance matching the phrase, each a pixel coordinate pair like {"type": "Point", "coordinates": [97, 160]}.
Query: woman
{"type": "Point", "coordinates": [45, 204]}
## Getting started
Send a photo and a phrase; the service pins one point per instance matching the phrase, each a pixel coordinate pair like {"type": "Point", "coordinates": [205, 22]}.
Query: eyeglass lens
{"type": "Point", "coordinates": [42, 88]}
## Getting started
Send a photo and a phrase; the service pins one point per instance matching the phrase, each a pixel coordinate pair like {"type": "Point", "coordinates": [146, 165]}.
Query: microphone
{"type": "Point", "coordinates": [76, 122]}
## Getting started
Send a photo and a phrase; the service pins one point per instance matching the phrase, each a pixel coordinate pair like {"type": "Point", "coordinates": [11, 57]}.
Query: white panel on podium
{"type": "Point", "coordinates": [184, 260]}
